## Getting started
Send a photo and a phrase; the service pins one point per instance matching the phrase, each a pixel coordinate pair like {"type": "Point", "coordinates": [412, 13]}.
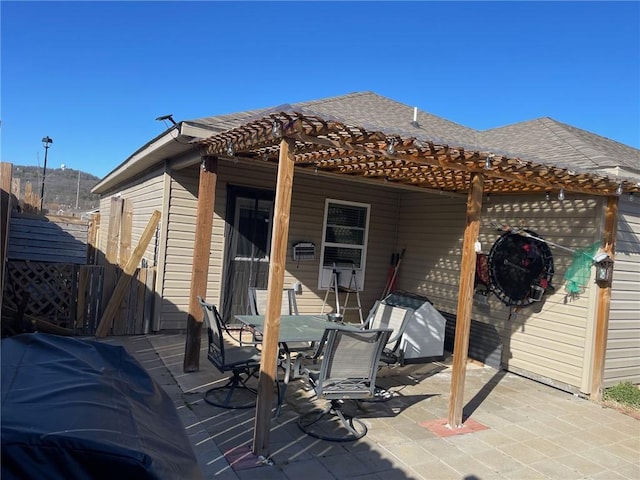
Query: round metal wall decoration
{"type": "Point", "coordinates": [520, 268]}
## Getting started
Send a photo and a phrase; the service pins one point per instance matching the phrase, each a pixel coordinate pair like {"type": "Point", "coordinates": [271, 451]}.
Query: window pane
{"type": "Point", "coordinates": [347, 215]}
{"type": "Point", "coordinates": [253, 228]}
{"type": "Point", "coordinates": [342, 256]}
{"type": "Point", "coordinates": [349, 236]}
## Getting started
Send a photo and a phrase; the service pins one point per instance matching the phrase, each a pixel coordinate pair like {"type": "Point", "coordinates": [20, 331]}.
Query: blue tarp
{"type": "Point", "coordinates": [80, 409]}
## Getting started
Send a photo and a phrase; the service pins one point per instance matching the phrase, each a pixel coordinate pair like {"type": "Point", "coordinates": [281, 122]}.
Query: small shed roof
{"type": "Point", "coordinates": [368, 136]}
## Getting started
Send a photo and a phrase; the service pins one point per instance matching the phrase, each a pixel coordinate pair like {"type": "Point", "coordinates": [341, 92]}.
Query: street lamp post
{"type": "Point", "coordinates": [46, 142]}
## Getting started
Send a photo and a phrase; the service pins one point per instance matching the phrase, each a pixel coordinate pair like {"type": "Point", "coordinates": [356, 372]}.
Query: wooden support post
{"type": "Point", "coordinates": [5, 216]}
{"type": "Point", "coordinates": [200, 266]}
{"type": "Point", "coordinates": [124, 254]}
{"type": "Point", "coordinates": [31, 200]}
{"type": "Point", "coordinates": [92, 239]}
{"type": "Point", "coordinates": [465, 300]}
{"type": "Point", "coordinates": [277, 264]}
{"type": "Point", "coordinates": [126, 230]}
{"type": "Point", "coordinates": [604, 302]}
{"type": "Point", "coordinates": [111, 253]}
{"type": "Point", "coordinates": [81, 307]}
{"type": "Point", "coordinates": [125, 280]}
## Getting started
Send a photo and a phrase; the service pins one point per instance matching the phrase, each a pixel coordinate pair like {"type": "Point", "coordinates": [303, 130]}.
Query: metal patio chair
{"type": "Point", "coordinates": [396, 319]}
{"type": "Point", "coordinates": [347, 371]}
{"type": "Point", "coordinates": [258, 306]}
{"type": "Point", "coordinates": [242, 361]}
{"type": "Point", "coordinates": [258, 301]}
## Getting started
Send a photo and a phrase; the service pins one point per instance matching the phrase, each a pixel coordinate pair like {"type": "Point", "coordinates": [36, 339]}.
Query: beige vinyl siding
{"type": "Point", "coordinates": [305, 225]}
{"type": "Point", "coordinates": [103, 232]}
{"type": "Point", "coordinates": [178, 255]}
{"type": "Point", "coordinates": [622, 361]}
{"type": "Point", "coordinates": [547, 339]}
{"type": "Point", "coordinates": [307, 215]}
{"type": "Point", "coordinates": [307, 210]}
{"type": "Point", "coordinates": [145, 194]}
{"type": "Point", "coordinates": [431, 229]}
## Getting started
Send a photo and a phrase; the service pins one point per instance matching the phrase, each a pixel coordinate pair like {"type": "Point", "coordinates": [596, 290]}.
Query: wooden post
{"type": "Point", "coordinates": [124, 254]}
{"type": "Point", "coordinates": [81, 307]}
{"type": "Point", "coordinates": [604, 302]}
{"type": "Point", "coordinates": [126, 230]}
{"type": "Point", "coordinates": [125, 280]}
{"type": "Point", "coordinates": [5, 216]}
{"type": "Point", "coordinates": [31, 200]}
{"type": "Point", "coordinates": [277, 264]}
{"type": "Point", "coordinates": [92, 240]}
{"type": "Point", "coordinates": [465, 300]}
{"type": "Point", "coordinates": [200, 266]}
{"type": "Point", "coordinates": [111, 253]}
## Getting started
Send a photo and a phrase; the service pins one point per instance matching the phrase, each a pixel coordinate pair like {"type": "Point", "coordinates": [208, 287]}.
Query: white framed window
{"type": "Point", "coordinates": [345, 233]}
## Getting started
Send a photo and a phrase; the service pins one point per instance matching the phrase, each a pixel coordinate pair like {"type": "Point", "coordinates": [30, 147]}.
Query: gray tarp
{"type": "Point", "coordinates": [79, 409]}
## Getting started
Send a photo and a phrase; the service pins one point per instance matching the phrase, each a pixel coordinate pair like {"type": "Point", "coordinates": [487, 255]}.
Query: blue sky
{"type": "Point", "coordinates": [95, 75]}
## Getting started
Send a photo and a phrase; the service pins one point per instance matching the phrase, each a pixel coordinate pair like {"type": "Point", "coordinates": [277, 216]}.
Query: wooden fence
{"type": "Point", "coordinates": [62, 294]}
{"type": "Point", "coordinates": [55, 278]}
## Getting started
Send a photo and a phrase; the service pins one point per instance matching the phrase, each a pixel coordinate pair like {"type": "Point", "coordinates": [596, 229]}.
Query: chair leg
{"type": "Point", "coordinates": [317, 424]}
{"type": "Point", "coordinates": [238, 394]}
{"type": "Point", "coordinates": [285, 363]}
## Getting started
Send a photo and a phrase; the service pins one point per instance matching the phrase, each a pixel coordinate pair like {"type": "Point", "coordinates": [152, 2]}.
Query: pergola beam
{"type": "Point", "coordinates": [336, 146]}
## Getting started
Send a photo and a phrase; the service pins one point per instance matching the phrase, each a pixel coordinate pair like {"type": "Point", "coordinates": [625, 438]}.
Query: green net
{"type": "Point", "coordinates": [577, 275]}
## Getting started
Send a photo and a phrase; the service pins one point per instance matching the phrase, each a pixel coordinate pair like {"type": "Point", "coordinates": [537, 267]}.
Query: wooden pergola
{"type": "Point", "coordinates": [305, 140]}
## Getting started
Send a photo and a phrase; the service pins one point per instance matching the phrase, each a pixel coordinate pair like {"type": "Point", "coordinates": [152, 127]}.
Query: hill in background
{"type": "Point", "coordinates": [66, 191]}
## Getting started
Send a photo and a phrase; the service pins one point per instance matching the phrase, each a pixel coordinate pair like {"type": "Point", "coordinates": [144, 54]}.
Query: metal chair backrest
{"type": "Point", "coordinates": [213, 322]}
{"type": "Point", "coordinates": [391, 317]}
{"type": "Point", "coordinates": [350, 363]}
{"type": "Point", "coordinates": [258, 301]}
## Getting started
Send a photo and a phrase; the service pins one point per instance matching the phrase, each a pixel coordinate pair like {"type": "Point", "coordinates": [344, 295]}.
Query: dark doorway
{"type": "Point", "coordinates": [247, 247]}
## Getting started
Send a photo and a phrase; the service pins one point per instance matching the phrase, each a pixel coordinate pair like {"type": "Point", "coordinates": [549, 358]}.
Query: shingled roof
{"type": "Point", "coordinates": [370, 136]}
{"type": "Point", "coordinates": [546, 140]}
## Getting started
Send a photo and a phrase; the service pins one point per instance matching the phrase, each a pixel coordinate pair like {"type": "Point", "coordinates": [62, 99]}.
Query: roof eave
{"type": "Point", "coordinates": [171, 142]}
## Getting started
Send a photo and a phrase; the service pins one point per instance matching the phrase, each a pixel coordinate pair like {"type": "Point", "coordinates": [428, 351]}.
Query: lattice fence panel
{"type": "Point", "coordinates": [51, 288]}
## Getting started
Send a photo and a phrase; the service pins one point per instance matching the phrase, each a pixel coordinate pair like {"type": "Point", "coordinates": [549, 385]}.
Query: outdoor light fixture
{"type": "Point", "coordinates": [167, 117]}
{"type": "Point", "coordinates": [391, 148]}
{"type": "Point", "coordinates": [46, 143]}
{"type": "Point", "coordinates": [488, 198]}
{"type": "Point", "coordinates": [561, 194]}
{"type": "Point", "coordinates": [487, 163]}
{"type": "Point", "coordinates": [631, 196]}
{"type": "Point", "coordinates": [276, 130]}
{"type": "Point", "coordinates": [230, 151]}
{"type": "Point", "coordinates": [604, 269]}
{"type": "Point", "coordinates": [547, 195]}
{"type": "Point", "coordinates": [619, 189]}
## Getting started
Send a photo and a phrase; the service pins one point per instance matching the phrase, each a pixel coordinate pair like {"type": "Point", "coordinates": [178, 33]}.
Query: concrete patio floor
{"type": "Point", "coordinates": [526, 430]}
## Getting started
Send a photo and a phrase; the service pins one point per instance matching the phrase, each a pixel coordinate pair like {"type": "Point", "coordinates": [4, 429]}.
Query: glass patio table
{"type": "Point", "coordinates": [294, 328]}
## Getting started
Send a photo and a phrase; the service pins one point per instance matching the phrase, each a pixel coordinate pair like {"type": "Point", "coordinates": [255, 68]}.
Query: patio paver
{"type": "Point", "coordinates": [533, 431]}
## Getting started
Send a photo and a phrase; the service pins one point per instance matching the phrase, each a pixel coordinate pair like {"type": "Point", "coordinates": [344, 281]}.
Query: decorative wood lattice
{"type": "Point", "coordinates": [331, 146]}
{"type": "Point", "coordinates": [50, 288]}
{"type": "Point", "coordinates": [69, 296]}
